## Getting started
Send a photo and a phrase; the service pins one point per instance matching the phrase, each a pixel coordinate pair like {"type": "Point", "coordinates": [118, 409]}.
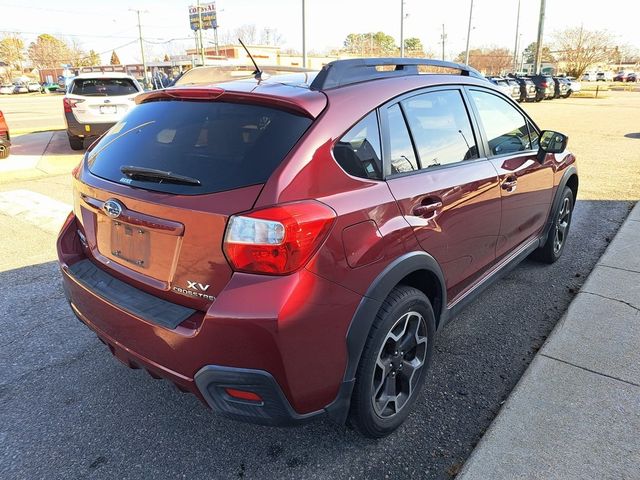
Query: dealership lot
{"type": "Point", "coordinates": [70, 410]}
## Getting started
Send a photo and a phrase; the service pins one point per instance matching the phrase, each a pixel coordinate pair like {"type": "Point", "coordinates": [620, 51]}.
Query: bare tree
{"type": "Point", "coordinates": [271, 36]}
{"type": "Point", "coordinates": [580, 48]}
{"type": "Point", "coordinates": [490, 61]}
{"type": "Point", "coordinates": [247, 33]}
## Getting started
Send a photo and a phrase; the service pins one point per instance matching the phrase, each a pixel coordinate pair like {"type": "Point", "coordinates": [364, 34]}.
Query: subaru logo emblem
{"type": "Point", "coordinates": [112, 208]}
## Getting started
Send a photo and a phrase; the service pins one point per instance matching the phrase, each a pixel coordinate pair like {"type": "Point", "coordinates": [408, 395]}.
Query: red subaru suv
{"type": "Point", "coordinates": [287, 247]}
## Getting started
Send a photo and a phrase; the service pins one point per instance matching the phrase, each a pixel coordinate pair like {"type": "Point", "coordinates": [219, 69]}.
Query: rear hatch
{"type": "Point", "coordinates": [155, 193]}
{"type": "Point", "coordinates": [102, 100]}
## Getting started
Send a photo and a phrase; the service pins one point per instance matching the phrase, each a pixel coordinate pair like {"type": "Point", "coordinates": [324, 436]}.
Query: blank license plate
{"type": "Point", "coordinates": [108, 109]}
{"type": "Point", "coordinates": [130, 243]}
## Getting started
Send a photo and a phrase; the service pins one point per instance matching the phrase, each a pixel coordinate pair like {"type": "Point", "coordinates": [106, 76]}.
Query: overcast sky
{"type": "Point", "coordinates": [110, 25]}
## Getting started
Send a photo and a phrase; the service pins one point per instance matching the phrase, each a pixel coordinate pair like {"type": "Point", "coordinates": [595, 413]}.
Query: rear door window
{"type": "Point", "coordinates": [222, 145]}
{"type": "Point", "coordinates": [440, 127]}
{"type": "Point", "coordinates": [402, 156]}
{"type": "Point", "coordinates": [103, 87]}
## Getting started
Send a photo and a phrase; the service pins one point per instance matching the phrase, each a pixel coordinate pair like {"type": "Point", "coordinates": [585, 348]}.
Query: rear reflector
{"type": "Point", "coordinates": [277, 240]}
{"type": "Point", "coordinates": [69, 103]}
{"type": "Point", "coordinates": [243, 395]}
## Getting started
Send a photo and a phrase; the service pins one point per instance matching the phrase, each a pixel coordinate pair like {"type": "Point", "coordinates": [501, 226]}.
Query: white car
{"type": "Point", "coordinates": [6, 89]}
{"type": "Point", "coordinates": [34, 86]}
{"type": "Point", "coordinates": [574, 85]}
{"type": "Point", "coordinates": [94, 102]}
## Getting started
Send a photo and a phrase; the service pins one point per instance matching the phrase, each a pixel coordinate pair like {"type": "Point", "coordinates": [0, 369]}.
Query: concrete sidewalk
{"type": "Point", "coordinates": [575, 413]}
{"type": "Point", "coordinates": [38, 154]}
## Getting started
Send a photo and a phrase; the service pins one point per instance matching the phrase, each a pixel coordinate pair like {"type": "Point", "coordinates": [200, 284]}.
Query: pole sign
{"type": "Point", "coordinates": [207, 13]}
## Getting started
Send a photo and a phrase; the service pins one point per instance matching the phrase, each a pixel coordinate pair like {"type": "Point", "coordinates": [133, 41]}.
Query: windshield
{"type": "Point", "coordinates": [222, 145]}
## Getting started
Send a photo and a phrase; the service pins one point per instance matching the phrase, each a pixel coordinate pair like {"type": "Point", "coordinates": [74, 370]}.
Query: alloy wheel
{"type": "Point", "coordinates": [399, 363]}
{"type": "Point", "coordinates": [562, 225]}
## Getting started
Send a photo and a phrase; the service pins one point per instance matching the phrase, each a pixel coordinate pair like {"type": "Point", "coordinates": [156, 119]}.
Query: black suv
{"type": "Point", "coordinates": [545, 86]}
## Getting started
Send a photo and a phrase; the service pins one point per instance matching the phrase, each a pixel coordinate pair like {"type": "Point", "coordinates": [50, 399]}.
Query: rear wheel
{"type": "Point", "coordinates": [76, 143]}
{"type": "Point", "coordinates": [4, 150]}
{"type": "Point", "coordinates": [557, 237]}
{"type": "Point", "coordinates": [393, 364]}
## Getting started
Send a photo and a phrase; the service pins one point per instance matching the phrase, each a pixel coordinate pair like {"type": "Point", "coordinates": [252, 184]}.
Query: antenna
{"type": "Point", "coordinates": [257, 72]}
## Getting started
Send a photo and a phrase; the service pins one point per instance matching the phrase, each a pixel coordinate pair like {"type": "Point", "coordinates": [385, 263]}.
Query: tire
{"type": "Point", "coordinates": [568, 94]}
{"type": "Point", "coordinates": [76, 143]}
{"type": "Point", "coordinates": [406, 314]}
{"type": "Point", "coordinates": [539, 98]}
{"type": "Point", "coordinates": [4, 150]}
{"type": "Point", "coordinates": [553, 247]}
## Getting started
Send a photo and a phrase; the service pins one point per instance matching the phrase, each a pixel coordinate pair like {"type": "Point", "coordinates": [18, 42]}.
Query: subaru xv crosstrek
{"type": "Point", "coordinates": [287, 247]}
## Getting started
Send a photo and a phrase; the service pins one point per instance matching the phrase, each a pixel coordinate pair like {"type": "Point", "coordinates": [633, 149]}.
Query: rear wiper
{"type": "Point", "coordinates": [142, 173]}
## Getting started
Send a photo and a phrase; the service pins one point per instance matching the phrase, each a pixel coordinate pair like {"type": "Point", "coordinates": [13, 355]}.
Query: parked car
{"type": "Point", "coordinates": [561, 87]}
{"type": "Point", "coordinates": [502, 85]}
{"type": "Point", "coordinates": [589, 77]}
{"type": "Point", "coordinates": [5, 138]}
{"type": "Point", "coordinates": [527, 89]}
{"type": "Point", "coordinates": [6, 89]}
{"type": "Point", "coordinates": [20, 87]}
{"type": "Point", "coordinates": [94, 102]}
{"type": "Point", "coordinates": [620, 77]}
{"type": "Point", "coordinates": [574, 86]}
{"type": "Point", "coordinates": [632, 77]}
{"type": "Point", "coordinates": [545, 86]}
{"type": "Point", "coordinates": [604, 76]}
{"type": "Point", "coordinates": [285, 248]}
{"type": "Point", "coordinates": [34, 87]}
{"type": "Point", "coordinates": [51, 87]}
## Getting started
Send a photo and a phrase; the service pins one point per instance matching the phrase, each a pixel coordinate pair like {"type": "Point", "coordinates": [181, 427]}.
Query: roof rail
{"type": "Point", "coordinates": [345, 72]}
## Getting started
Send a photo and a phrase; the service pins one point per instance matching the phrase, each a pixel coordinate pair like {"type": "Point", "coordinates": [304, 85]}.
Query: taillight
{"type": "Point", "coordinates": [70, 103]}
{"type": "Point", "coordinates": [243, 395]}
{"type": "Point", "coordinates": [544, 84]}
{"type": "Point", "coordinates": [277, 240]}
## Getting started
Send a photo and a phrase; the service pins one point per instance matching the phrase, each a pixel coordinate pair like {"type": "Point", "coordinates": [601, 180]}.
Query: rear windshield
{"type": "Point", "coordinates": [221, 145]}
{"type": "Point", "coordinates": [102, 87]}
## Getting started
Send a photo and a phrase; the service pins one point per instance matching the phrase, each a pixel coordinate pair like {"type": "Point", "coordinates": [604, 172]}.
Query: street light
{"type": "Point", "coordinates": [466, 55]}
{"type": "Point", "coordinates": [304, 34]}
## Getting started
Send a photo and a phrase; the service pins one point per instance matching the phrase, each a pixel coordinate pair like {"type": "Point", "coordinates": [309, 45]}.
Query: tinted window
{"type": "Point", "coordinates": [101, 87]}
{"type": "Point", "coordinates": [358, 152]}
{"type": "Point", "coordinates": [534, 137]}
{"type": "Point", "coordinates": [223, 145]}
{"type": "Point", "coordinates": [440, 127]}
{"type": "Point", "coordinates": [403, 158]}
{"type": "Point", "coordinates": [506, 128]}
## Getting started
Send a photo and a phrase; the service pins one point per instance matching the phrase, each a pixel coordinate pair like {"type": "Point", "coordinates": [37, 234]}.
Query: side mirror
{"type": "Point", "coordinates": [551, 142]}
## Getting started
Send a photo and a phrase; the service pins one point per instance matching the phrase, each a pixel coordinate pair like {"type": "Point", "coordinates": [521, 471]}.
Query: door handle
{"type": "Point", "coordinates": [510, 184]}
{"type": "Point", "coordinates": [422, 210]}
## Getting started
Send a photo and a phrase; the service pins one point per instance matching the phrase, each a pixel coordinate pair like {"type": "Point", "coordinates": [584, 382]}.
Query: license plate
{"type": "Point", "coordinates": [108, 109]}
{"type": "Point", "coordinates": [130, 243]}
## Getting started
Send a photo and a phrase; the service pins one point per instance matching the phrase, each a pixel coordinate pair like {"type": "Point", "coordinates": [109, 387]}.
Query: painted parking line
{"type": "Point", "coordinates": [39, 210]}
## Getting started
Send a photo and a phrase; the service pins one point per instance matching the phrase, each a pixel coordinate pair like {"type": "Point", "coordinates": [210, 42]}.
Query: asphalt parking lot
{"type": "Point", "coordinates": [69, 410]}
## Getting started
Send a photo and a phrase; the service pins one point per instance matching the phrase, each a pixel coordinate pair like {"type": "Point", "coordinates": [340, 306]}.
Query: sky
{"type": "Point", "coordinates": [108, 25]}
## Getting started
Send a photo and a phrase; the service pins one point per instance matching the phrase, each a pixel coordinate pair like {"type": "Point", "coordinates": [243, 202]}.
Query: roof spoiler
{"type": "Point", "coordinates": [345, 72]}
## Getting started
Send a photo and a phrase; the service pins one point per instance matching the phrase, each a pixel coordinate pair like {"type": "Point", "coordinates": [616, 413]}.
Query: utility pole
{"type": "Point", "coordinates": [304, 34]}
{"type": "Point", "coordinates": [144, 62]}
{"type": "Point", "coordinates": [515, 48]}
{"type": "Point", "coordinates": [200, 32]}
{"type": "Point", "coordinates": [466, 55]}
{"type": "Point", "coordinates": [444, 38]}
{"type": "Point", "coordinates": [537, 62]}
{"type": "Point", "coordinates": [401, 28]}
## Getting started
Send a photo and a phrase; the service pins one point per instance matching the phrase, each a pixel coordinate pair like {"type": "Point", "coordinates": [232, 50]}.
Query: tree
{"type": "Point", "coordinates": [530, 53]}
{"type": "Point", "coordinates": [91, 59]}
{"type": "Point", "coordinates": [490, 61]}
{"type": "Point", "coordinates": [49, 52]}
{"type": "Point", "coordinates": [413, 46]}
{"type": "Point", "coordinates": [371, 43]}
{"type": "Point", "coordinates": [166, 58]}
{"type": "Point", "coordinates": [580, 48]}
{"type": "Point", "coordinates": [114, 59]}
{"type": "Point", "coordinates": [271, 36]}
{"type": "Point", "coordinates": [247, 33]}
{"type": "Point", "coordinates": [12, 51]}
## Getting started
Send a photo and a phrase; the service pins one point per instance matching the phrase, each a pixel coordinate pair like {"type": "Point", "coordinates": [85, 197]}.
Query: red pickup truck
{"type": "Point", "coordinates": [5, 139]}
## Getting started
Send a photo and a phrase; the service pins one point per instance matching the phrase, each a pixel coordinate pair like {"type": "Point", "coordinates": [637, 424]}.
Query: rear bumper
{"type": "Point", "coordinates": [78, 129]}
{"type": "Point", "coordinates": [290, 349]}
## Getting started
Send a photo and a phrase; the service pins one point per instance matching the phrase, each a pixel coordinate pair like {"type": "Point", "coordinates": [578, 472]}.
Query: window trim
{"type": "Point", "coordinates": [480, 125]}
{"type": "Point", "coordinates": [384, 132]}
